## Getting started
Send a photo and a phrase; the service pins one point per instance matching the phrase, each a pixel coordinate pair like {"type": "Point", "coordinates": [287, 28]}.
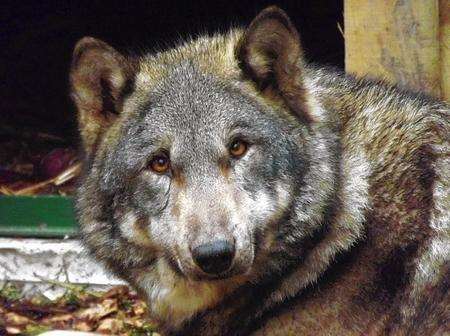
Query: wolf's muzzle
{"type": "Point", "coordinates": [214, 258]}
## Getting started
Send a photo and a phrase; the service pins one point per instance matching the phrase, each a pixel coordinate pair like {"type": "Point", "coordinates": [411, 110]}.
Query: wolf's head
{"type": "Point", "coordinates": [209, 162]}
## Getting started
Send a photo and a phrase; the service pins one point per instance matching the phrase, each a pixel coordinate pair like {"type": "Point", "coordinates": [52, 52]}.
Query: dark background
{"type": "Point", "coordinates": [36, 41]}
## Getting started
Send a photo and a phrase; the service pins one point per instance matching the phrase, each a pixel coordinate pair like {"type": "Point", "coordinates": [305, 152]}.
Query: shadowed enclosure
{"type": "Point", "coordinates": [37, 39]}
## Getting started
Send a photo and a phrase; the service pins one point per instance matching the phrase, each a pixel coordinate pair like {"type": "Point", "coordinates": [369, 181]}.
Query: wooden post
{"type": "Point", "coordinates": [397, 40]}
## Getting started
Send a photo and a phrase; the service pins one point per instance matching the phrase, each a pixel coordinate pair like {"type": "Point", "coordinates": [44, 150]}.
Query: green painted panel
{"type": "Point", "coordinates": [37, 216]}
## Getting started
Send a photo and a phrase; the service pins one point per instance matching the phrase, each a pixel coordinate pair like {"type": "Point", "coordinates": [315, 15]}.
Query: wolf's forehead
{"type": "Point", "coordinates": [189, 99]}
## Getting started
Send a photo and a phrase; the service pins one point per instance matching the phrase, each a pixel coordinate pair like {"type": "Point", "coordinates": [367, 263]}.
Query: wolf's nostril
{"type": "Point", "coordinates": [215, 257]}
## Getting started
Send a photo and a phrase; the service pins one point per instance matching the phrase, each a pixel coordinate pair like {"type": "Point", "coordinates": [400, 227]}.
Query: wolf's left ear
{"type": "Point", "coordinates": [271, 55]}
{"type": "Point", "coordinates": [99, 78]}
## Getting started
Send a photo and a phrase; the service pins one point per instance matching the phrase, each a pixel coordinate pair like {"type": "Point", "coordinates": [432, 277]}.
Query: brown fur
{"type": "Point", "coordinates": [373, 261]}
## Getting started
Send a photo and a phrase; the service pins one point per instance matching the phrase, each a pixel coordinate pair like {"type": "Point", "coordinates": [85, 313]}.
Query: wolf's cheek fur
{"type": "Point", "coordinates": [135, 211]}
{"type": "Point", "coordinates": [134, 229]}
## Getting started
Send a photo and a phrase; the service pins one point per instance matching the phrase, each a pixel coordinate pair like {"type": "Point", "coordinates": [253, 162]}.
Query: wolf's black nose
{"type": "Point", "coordinates": [215, 257]}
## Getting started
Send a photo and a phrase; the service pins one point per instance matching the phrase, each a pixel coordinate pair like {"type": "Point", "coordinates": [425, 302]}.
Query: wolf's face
{"type": "Point", "coordinates": [207, 165]}
{"type": "Point", "coordinates": [206, 172]}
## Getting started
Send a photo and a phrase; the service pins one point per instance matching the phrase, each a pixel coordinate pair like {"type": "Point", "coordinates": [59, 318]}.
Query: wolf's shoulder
{"type": "Point", "coordinates": [334, 81]}
{"type": "Point", "coordinates": [374, 111]}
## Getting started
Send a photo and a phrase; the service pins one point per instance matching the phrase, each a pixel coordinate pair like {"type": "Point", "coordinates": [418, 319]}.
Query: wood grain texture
{"type": "Point", "coordinates": [394, 40]}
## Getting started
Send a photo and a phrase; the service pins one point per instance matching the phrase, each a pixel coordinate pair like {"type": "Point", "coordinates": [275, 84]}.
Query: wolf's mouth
{"type": "Point", "coordinates": [212, 278]}
{"type": "Point", "coordinates": [175, 265]}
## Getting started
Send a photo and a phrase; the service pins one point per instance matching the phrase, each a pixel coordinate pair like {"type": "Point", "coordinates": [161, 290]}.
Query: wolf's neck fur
{"type": "Point", "coordinates": [343, 232]}
{"type": "Point", "coordinates": [347, 226]}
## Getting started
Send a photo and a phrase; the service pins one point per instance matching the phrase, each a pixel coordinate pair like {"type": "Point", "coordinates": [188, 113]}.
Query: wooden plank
{"type": "Point", "coordinates": [394, 40]}
{"type": "Point", "coordinates": [37, 216]}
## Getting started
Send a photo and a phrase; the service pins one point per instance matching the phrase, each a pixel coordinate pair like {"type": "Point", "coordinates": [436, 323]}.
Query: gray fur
{"type": "Point", "coordinates": [318, 211]}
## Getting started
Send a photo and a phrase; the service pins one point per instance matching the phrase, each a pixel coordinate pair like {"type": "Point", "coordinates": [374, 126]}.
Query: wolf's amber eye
{"type": "Point", "coordinates": [160, 164]}
{"type": "Point", "coordinates": [238, 148]}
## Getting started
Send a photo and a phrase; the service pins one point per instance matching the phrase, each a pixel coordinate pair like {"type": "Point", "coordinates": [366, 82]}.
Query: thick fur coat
{"type": "Point", "coordinates": [337, 212]}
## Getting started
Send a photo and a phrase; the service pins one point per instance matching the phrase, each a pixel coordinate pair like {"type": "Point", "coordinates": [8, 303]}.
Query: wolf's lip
{"type": "Point", "coordinates": [226, 275]}
{"type": "Point", "coordinates": [229, 274]}
{"type": "Point", "coordinates": [216, 277]}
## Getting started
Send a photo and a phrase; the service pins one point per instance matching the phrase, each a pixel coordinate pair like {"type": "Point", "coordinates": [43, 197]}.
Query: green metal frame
{"type": "Point", "coordinates": [37, 216]}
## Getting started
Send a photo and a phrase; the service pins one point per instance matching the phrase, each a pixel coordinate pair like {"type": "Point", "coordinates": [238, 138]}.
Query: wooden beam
{"type": "Point", "coordinates": [396, 40]}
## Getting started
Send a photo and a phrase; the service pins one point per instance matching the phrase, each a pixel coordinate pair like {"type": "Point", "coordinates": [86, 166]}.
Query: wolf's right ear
{"type": "Point", "coordinates": [270, 54]}
{"type": "Point", "coordinates": [99, 78]}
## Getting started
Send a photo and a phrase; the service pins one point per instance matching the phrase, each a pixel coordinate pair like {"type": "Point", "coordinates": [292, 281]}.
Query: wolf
{"type": "Point", "coordinates": [244, 191]}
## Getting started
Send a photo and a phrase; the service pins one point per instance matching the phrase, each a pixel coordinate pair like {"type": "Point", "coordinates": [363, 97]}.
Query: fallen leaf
{"type": "Point", "coordinates": [16, 319]}
{"type": "Point", "coordinates": [98, 310]}
{"type": "Point", "coordinates": [116, 291]}
{"type": "Point", "coordinates": [110, 326]}
{"type": "Point", "coordinates": [13, 330]}
{"type": "Point", "coordinates": [57, 319]}
{"type": "Point", "coordinates": [83, 325]}
{"type": "Point", "coordinates": [139, 308]}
